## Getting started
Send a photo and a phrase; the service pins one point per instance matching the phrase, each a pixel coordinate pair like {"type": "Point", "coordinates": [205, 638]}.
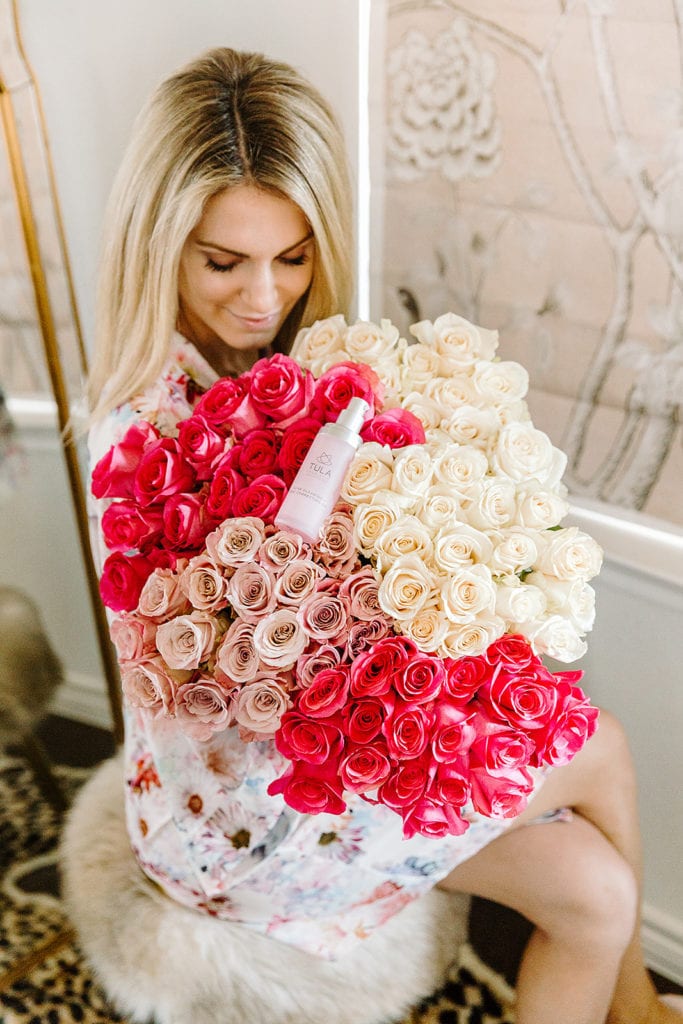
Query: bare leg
{"type": "Point", "coordinates": [579, 883]}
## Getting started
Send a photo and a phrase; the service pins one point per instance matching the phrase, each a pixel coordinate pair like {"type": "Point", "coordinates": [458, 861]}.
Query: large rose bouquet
{"type": "Point", "coordinates": [399, 657]}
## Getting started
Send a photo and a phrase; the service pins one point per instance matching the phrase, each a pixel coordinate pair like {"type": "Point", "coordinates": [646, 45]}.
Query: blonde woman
{"type": "Point", "coordinates": [229, 228]}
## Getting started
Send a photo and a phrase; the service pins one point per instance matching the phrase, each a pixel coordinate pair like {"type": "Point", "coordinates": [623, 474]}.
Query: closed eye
{"type": "Point", "coordinates": [222, 268]}
{"type": "Point", "coordinates": [295, 261]}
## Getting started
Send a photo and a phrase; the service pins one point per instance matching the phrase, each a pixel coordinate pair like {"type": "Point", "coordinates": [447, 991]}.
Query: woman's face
{"type": "Point", "coordinates": [242, 270]}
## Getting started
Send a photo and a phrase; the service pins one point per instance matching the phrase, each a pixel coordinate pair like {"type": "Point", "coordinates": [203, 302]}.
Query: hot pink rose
{"type": "Point", "coordinates": [294, 445]}
{"type": "Point", "coordinates": [280, 389]}
{"type": "Point", "coordinates": [262, 498]}
{"type": "Point", "coordinates": [113, 475]}
{"type": "Point", "coordinates": [225, 483]}
{"type": "Point", "coordinates": [394, 427]}
{"type": "Point", "coordinates": [202, 708]}
{"type": "Point", "coordinates": [227, 404]}
{"type": "Point", "coordinates": [257, 453]}
{"type": "Point", "coordinates": [201, 444]}
{"type": "Point", "coordinates": [326, 694]}
{"type": "Point", "coordinates": [310, 793]}
{"type": "Point", "coordinates": [432, 818]}
{"type": "Point", "coordinates": [372, 673]}
{"type": "Point", "coordinates": [405, 785]}
{"type": "Point", "coordinates": [363, 719]}
{"type": "Point", "coordinates": [342, 382]}
{"type": "Point", "coordinates": [574, 724]}
{"type": "Point", "coordinates": [125, 526]}
{"type": "Point", "coordinates": [304, 739]}
{"type": "Point", "coordinates": [421, 680]}
{"type": "Point", "coordinates": [503, 795]}
{"type": "Point", "coordinates": [454, 732]}
{"type": "Point", "coordinates": [122, 581]}
{"type": "Point", "coordinates": [525, 698]}
{"type": "Point", "coordinates": [185, 521]}
{"type": "Point", "coordinates": [512, 650]}
{"type": "Point", "coordinates": [163, 471]}
{"type": "Point", "coordinates": [364, 767]}
{"type": "Point", "coordinates": [451, 784]}
{"type": "Point", "coordinates": [465, 676]}
{"type": "Point", "coordinates": [407, 730]}
{"type": "Point", "coordinates": [498, 749]}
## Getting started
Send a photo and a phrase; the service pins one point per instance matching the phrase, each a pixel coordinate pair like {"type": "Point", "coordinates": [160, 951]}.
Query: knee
{"type": "Point", "coordinates": [600, 909]}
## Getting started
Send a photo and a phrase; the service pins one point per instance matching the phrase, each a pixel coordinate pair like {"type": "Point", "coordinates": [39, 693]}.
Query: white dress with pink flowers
{"type": "Point", "coordinates": [202, 824]}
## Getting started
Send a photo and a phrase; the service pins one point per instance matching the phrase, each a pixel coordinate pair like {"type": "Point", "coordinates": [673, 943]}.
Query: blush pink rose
{"type": "Point", "coordinates": [315, 741]}
{"type": "Point", "coordinates": [324, 617]}
{"type": "Point", "coordinates": [132, 637]}
{"type": "Point", "coordinates": [202, 708]}
{"type": "Point", "coordinates": [326, 695]}
{"type": "Point", "coordinates": [316, 660]}
{"type": "Point", "coordinates": [342, 382]}
{"type": "Point", "coordinates": [122, 581]}
{"type": "Point", "coordinates": [162, 472]}
{"type": "Point", "coordinates": [260, 706]}
{"type": "Point", "coordinates": [394, 427]}
{"type": "Point", "coordinates": [503, 795]}
{"type": "Point", "coordinates": [114, 474]}
{"type": "Point", "coordinates": [336, 547]}
{"type": "Point", "coordinates": [237, 659]}
{"type": "Point", "coordinates": [187, 640]}
{"type": "Point", "coordinates": [201, 444]}
{"type": "Point", "coordinates": [162, 596]}
{"type": "Point", "coordinates": [126, 526]}
{"type": "Point", "coordinates": [262, 498]}
{"type": "Point", "coordinates": [250, 591]}
{"type": "Point", "coordinates": [149, 685]}
{"type": "Point", "coordinates": [280, 389]}
{"type": "Point", "coordinates": [430, 817]}
{"type": "Point", "coordinates": [361, 591]}
{"type": "Point", "coordinates": [364, 635]}
{"type": "Point", "coordinates": [365, 767]}
{"type": "Point", "coordinates": [309, 792]}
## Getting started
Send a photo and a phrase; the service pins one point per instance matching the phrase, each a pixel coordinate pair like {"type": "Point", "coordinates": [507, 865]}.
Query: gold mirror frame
{"type": "Point", "coordinates": [16, 75]}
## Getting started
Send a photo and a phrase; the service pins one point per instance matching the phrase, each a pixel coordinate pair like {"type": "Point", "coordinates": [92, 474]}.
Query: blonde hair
{"type": "Point", "coordinates": [226, 119]}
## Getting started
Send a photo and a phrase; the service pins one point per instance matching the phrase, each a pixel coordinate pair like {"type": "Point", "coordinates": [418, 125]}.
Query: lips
{"type": "Point", "coordinates": [259, 323]}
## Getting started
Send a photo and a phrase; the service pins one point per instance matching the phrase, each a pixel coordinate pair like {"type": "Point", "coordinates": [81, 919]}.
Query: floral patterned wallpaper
{"type": "Point", "coordinates": [534, 183]}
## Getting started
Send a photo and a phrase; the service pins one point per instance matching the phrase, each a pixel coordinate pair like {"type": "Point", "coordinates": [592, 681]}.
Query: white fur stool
{"type": "Point", "coordinates": [159, 961]}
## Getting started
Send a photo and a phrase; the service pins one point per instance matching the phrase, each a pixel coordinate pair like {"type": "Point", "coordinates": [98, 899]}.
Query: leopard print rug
{"type": "Point", "coordinates": [43, 976]}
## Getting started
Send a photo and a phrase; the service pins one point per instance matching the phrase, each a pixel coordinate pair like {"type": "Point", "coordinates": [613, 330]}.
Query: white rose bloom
{"type": "Point", "coordinates": [501, 383]}
{"type": "Point", "coordinates": [522, 452]}
{"type": "Point", "coordinates": [555, 637]}
{"type": "Point", "coordinates": [369, 342]}
{"type": "Point", "coordinates": [406, 588]}
{"type": "Point", "coordinates": [468, 593]}
{"type": "Point", "coordinates": [369, 472]}
{"type": "Point", "coordinates": [518, 602]}
{"type": "Point", "coordinates": [473, 426]}
{"type": "Point", "coordinates": [437, 436]}
{"type": "Point", "coordinates": [420, 406]}
{"type": "Point", "coordinates": [439, 507]}
{"type": "Point", "coordinates": [573, 598]}
{"type": "Point", "coordinates": [420, 366]}
{"type": "Point", "coordinates": [514, 549]}
{"type": "Point", "coordinates": [412, 471]}
{"type": "Point", "coordinates": [427, 628]}
{"type": "Point", "coordinates": [320, 340]}
{"type": "Point", "coordinates": [582, 609]}
{"type": "Point", "coordinates": [407, 536]}
{"type": "Point", "coordinates": [460, 545]}
{"type": "Point", "coordinates": [490, 505]}
{"type": "Point", "coordinates": [515, 412]}
{"type": "Point", "coordinates": [539, 508]}
{"type": "Point", "coordinates": [389, 372]}
{"type": "Point", "coordinates": [459, 466]}
{"type": "Point", "coordinates": [459, 341]}
{"type": "Point", "coordinates": [569, 554]}
{"type": "Point", "coordinates": [449, 393]}
{"type": "Point", "coordinates": [371, 519]}
{"type": "Point", "coordinates": [471, 639]}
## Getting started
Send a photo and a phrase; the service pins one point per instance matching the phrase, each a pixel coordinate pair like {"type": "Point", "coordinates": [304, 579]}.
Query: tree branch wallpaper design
{"type": "Point", "coordinates": [534, 184]}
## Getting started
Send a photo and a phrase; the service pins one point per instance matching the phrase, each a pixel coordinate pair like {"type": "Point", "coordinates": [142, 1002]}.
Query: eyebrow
{"type": "Point", "coordinates": [244, 255]}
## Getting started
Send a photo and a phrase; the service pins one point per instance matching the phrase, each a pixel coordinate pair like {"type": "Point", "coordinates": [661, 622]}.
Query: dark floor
{"type": "Point", "coordinates": [497, 934]}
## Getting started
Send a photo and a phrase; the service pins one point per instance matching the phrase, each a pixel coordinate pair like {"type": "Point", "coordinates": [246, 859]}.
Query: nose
{"type": "Point", "coordinates": [260, 292]}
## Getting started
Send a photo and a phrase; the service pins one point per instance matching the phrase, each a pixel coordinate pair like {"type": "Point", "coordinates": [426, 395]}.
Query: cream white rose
{"type": "Point", "coordinates": [439, 507]}
{"type": "Point", "coordinates": [572, 598]}
{"type": "Point", "coordinates": [468, 593]}
{"type": "Point", "coordinates": [449, 393]}
{"type": "Point", "coordinates": [458, 466]}
{"type": "Point", "coordinates": [427, 628]}
{"type": "Point", "coordinates": [518, 602]}
{"type": "Point", "coordinates": [514, 549]}
{"type": "Point", "coordinates": [369, 342]}
{"type": "Point", "coordinates": [420, 366]}
{"type": "Point", "coordinates": [500, 383]}
{"type": "Point", "coordinates": [539, 508]}
{"type": "Point", "coordinates": [407, 536]}
{"type": "Point", "coordinates": [569, 554]}
{"type": "Point", "coordinates": [522, 452]}
{"type": "Point", "coordinates": [470, 425]}
{"type": "Point", "coordinates": [420, 406]}
{"type": "Point", "coordinates": [471, 639]}
{"type": "Point", "coordinates": [557, 638]}
{"type": "Point", "coordinates": [490, 505]}
{"type": "Point", "coordinates": [369, 472]}
{"type": "Point", "coordinates": [412, 473]}
{"type": "Point", "coordinates": [514, 412]}
{"type": "Point", "coordinates": [459, 545]}
{"type": "Point", "coordinates": [458, 340]}
{"type": "Point", "coordinates": [322, 339]}
{"type": "Point", "coordinates": [372, 518]}
{"type": "Point", "coordinates": [406, 588]}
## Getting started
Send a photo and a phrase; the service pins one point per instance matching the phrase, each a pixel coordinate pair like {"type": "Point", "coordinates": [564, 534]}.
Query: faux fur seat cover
{"type": "Point", "coordinates": [159, 961]}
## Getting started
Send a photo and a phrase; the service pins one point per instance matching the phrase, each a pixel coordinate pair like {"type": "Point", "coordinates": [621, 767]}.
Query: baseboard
{"type": "Point", "coordinates": [663, 943]}
{"type": "Point", "coordinates": [83, 698]}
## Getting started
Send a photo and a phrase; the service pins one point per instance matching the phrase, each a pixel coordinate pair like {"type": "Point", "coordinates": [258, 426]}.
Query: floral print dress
{"type": "Point", "coordinates": [201, 822]}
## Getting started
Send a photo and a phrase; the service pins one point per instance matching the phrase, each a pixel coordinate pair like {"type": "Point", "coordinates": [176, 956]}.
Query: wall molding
{"type": "Point", "coordinates": [83, 698]}
{"type": "Point", "coordinates": [663, 943]}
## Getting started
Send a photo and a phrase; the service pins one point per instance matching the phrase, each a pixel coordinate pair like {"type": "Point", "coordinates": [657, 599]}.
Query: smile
{"type": "Point", "coordinates": [258, 323]}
